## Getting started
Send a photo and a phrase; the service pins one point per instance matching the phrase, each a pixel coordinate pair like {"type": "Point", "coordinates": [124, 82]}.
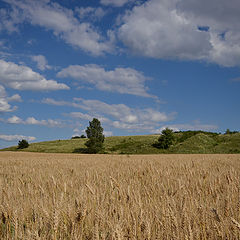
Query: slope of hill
{"type": "Point", "coordinates": [186, 142]}
{"type": "Point", "coordinates": [200, 143]}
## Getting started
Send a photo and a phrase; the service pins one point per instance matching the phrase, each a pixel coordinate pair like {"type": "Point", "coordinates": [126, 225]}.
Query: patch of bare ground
{"type": "Point", "coordinates": [66, 196]}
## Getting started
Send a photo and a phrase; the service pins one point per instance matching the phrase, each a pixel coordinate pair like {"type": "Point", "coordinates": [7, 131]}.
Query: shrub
{"type": "Point", "coordinates": [75, 137]}
{"type": "Point", "coordinates": [23, 144]}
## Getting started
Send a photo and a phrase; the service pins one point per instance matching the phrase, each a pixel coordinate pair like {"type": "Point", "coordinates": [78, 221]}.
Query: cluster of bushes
{"type": "Point", "coordinates": [76, 137]}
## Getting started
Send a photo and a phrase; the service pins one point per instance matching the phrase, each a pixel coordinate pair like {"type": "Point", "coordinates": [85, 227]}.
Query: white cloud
{"type": "Point", "coordinates": [81, 115]}
{"type": "Point", "coordinates": [124, 113]}
{"type": "Point", "coordinates": [14, 120]}
{"type": "Point", "coordinates": [4, 105]}
{"type": "Point", "coordinates": [11, 138]}
{"type": "Point", "coordinates": [189, 29]}
{"type": "Point", "coordinates": [116, 115]}
{"type": "Point", "coordinates": [155, 29]}
{"type": "Point", "coordinates": [131, 127]}
{"type": "Point", "coordinates": [90, 13]}
{"type": "Point", "coordinates": [218, 14]}
{"type": "Point", "coordinates": [34, 121]}
{"type": "Point", "coordinates": [10, 19]}
{"type": "Point", "coordinates": [62, 22]}
{"type": "Point", "coordinates": [51, 101]}
{"type": "Point", "coordinates": [115, 3]}
{"type": "Point", "coordinates": [15, 98]}
{"type": "Point", "coordinates": [107, 133]}
{"type": "Point", "coordinates": [41, 61]}
{"type": "Point", "coordinates": [24, 78]}
{"type": "Point", "coordinates": [77, 132]}
{"type": "Point", "coordinates": [122, 80]}
{"type": "Point", "coordinates": [225, 52]}
{"type": "Point", "coordinates": [84, 116]}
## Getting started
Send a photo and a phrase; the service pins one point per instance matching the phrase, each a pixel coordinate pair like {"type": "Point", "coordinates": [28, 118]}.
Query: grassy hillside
{"type": "Point", "coordinates": [186, 142]}
{"type": "Point", "coordinates": [200, 143]}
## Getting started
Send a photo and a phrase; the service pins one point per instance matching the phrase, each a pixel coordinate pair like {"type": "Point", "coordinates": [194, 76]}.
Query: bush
{"type": "Point", "coordinates": [95, 136]}
{"type": "Point", "coordinates": [166, 139]}
{"type": "Point", "coordinates": [23, 144]}
{"type": "Point", "coordinates": [75, 137]}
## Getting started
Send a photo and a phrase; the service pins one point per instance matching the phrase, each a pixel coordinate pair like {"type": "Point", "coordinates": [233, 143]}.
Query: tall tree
{"type": "Point", "coordinates": [95, 136]}
{"type": "Point", "coordinates": [166, 139]}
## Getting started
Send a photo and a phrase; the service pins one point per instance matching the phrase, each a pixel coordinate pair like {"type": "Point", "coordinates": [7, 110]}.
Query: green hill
{"type": "Point", "coordinates": [199, 143]}
{"type": "Point", "coordinates": [186, 142]}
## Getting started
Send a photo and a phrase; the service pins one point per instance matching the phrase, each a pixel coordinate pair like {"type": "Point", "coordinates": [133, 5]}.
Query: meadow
{"type": "Point", "coordinates": [74, 196]}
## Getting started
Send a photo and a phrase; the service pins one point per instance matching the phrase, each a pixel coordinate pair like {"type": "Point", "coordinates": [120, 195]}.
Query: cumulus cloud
{"type": "Point", "coordinates": [116, 115]}
{"type": "Point", "coordinates": [41, 61]}
{"type": "Point", "coordinates": [24, 78]}
{"type": "Point", "coordinates": [4, 101]}
{"type": "Point", "coordinates": [121, 80]}
{"type": "Point", "coordinates": [15, 98]}
{"type": "Point", "coordinates": [155, 29]}
{"type": "Point", "coordinates": [11, 138]}
{"type": "Point", "coordinates": [14, 120]}
{"type": "Point", "coordinates": [218, 14]}
{"type": "Point", "coordinates": [189, 29]}
{"type": "Point", "coordinates": [124, 113]}
{"type": "Point", "coordinates": [62, 22]}
{"type": "Point", "coordinates": [34, 121]}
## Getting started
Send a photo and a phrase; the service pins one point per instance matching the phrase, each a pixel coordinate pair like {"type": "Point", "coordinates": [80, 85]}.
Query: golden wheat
{"type": "Point", "coordinates": [64, 196]}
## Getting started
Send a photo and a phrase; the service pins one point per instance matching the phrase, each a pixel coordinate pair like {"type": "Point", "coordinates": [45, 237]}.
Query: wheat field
{"type": "Point", "coordinates": [72, 196]}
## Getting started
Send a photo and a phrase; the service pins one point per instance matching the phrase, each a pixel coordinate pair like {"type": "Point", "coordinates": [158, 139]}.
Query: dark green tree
{"type": "Point", "coordinates": [23, 144]}
{"type": "Point", "coordinates": [95, 136]}
{"type": "Point", "coordinates": [166, 139]}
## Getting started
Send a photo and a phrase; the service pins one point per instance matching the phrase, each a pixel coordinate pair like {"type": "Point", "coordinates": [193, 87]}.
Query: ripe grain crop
{"type": "Point", "coordinates": [68, 196]}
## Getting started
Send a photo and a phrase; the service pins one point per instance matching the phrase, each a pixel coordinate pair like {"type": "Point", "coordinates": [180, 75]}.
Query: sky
{"type": "Point", "coordinates": [138, 66]}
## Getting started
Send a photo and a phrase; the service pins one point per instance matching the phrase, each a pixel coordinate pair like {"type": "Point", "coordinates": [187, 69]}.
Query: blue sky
{"type": "Point", "coordinates": [138, 66]}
